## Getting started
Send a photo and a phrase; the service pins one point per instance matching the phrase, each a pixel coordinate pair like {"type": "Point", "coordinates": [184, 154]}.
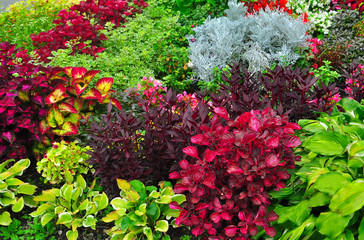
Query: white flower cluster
{"type": "Point", "coordinates": [317, 13]}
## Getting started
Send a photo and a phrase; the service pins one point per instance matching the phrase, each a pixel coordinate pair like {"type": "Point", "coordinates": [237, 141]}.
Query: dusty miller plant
{"type": "Point", "coordinates": [256, 40]}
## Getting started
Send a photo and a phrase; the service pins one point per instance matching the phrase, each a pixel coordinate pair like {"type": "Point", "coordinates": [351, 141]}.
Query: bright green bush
{"type": "Point", "coordinates": [31, 17]}
{"type": "Point", "coordinates": [325, 199]}
{"type": "Point", "coordinates": [64, 158]}
{"type": "Point", "coordinates": [136, 50]}
{"type": "Point", "coordinates": [142, 211]}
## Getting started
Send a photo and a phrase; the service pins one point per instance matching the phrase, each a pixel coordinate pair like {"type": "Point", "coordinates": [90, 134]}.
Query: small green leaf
{"type": "Point", "coordinates": [7, 201]}
{"type": "Point", "coordinates": [18, 206]}
{"type": "Point", "coordinates": [5, 218]}
{"type": "Point", "coordinates": [80, 181]}
{"type": "Point", "coordinates": [29, 201]}
{"type": "Point", "coordinates": [331, 224]}
{"type": "Point", "coordinates": [12, 182]}
{"type": "Point", "coordinates": [319, 199]}
{"type": "Point", "coordinates": [154, 194]}
{"type": "Point", "coordinates": [137, 185]}
{"type": "Point", "coordinates": [296, 214]}
{"type": "Point", "coordinates": [179, 198]}
{"type": "Point", "coordinates": [46, 218]}
{"type": "Point", "coordinates": [68, 176]}
{"type": "Point", "coordinates": [76, 193]}
{"type": "Point", "coordinates": [103, 202]}
{"type": "Point", "coordinates": [161, 225]}
{"type": "Point", "coordinates": [89, 221]}
{"type": "Point", "coordinates": [166, 199]}
{"type": "Point", "coordinates": [123, 184]}
{"type": "Point", "coordinates": [64, 218]}
{"type": "Point", "coordinates": [19, 167]}
{"type": "Point", "coordinates": [168, 191]}
{"type": "Point", "coordinates": [72, 235]}
{"type": "Point", "coordinates": [84, 205]}
{"type": "Point", "coordinates": [67, 193]}
{"type": "Point", "coordinates": [76, 223]}
{"type": "Point", "coordinates": [356, 162]}
{"type": "Point", "coordinates": [130, 236]}
{"type": "Point", "coordinates": [45, 207]}
{"type": "Point", "coordinates": [133, 195]}
{"type": "Point", "coordinates": [112, 216]}
{"type": "Point", "coordinates": [27, 189]}
{"type": "Point", "coordinates": [148, 232]}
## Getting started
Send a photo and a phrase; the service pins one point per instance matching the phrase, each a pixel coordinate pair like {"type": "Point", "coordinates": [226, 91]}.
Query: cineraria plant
{"type": "Point", "coordinates": [227, 184]}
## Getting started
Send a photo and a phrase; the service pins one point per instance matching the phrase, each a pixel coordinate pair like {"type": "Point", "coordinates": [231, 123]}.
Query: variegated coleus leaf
{"type": "Point", "coordinates": [68, 129]}
{"type": "Point", "coordinates": [58, 94]}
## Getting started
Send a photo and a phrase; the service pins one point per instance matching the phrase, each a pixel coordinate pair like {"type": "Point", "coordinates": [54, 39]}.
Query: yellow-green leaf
{"type": "Point", "coordinates": [103, 202]}
{"type": "Point", "coordinates": [5, 218]}
{"type": "Point", "coordinates": [27, 189]}
{"type": "Point", "coordinates": [64, 218]}
{"type": "Point", "coordinates": [46, 218]}
{"type": "Point", "coordinates": [123, 184]}
{"type": "Point", "coordinates": [18, 206]}
{"type": "Point", "coordinates": [72, 235]}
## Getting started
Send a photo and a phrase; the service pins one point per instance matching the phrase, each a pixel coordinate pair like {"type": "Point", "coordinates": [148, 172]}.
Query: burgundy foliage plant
{"type": "Point", "coordinates": [227, 184]}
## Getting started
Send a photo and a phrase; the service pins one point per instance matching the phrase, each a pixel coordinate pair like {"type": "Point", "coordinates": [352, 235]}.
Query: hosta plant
{"type": "Point", "coordinates": [143, 212]}
{"type": "Point", "coordinates": [13, 191]}
{"type": "Point", "coordinates": [73, 205]}
{"type": "Point", "coordinates": [64, 158]}
{"type": "Point", "coordinates": [227, 184]}
{"type": "Point", "coordinates": [324, 199]}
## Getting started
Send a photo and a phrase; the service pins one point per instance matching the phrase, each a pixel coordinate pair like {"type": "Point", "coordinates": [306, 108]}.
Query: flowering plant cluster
{"type": "Point", "coordinates": [227, 184]}
{"type": "Point", "coordinates": [255, 6]}
{"type": "Point", "coordinates": [355, 81]}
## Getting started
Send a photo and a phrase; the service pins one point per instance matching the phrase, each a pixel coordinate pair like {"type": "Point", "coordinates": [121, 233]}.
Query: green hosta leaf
{"type": "Point", "coordinates": [76, 223]}
{"type": "Point", "coordinates": [348, 105]}
{"type": "Point", "coordinates": [103, 202]}
{"type": "Point", "coordinates": [5, 218]}
{"type": "Point", "coordinates": [334, 142]}
{"type": "Point", "coordinates": [154, 194]}
{"type": "Point", "coordinates": [55, 191]}
{"type": "Point", "coordinates": [319, 199]}
{"type": "Point", "coordinates": [168, 191]}
{"type": "Point", "coordinates": [356, 162]}
{"type": "Point", "coordinates": [143, 207]}
{"type": "Point", "coordinates": [45, 207]}
{"type": "Point", "coordinates": [3, 165]}
{"type": "Point", "coordinates": [161, 225]}
{"type": "Point", "coordinates": [3, 185]}
{"type": "Point", "coordinates": [76, 193]}
{"type": "Point", "coordinates": [130, 236]}
{"type": "Point", "coordinates": [118, 203]}
{"type": "Point", "coordinates": [89, 221]}
{"type": "Point", "coordinates": [19, 167]}
{"type": "Point", "coordinates": [296, 233]}
{"type": "Point", "coordinates": [113, 216]}
{"type": "Point", "coordinates": [27, 189]}
{"type": "Point", "coordinates": [29, 201]}
{"type": "Point", "coordinates": [46, 218]}
{"type": "Point", "coordinates": [125, 223]}
{"type": "Point", "coordinates": [80, 182]}
{"type": "Point", "coordinates": [5, 175]}
{"type": "Point", "coordinates": [123, 184]}
{"type": "Point", "coordinates": [361, 230]}
{"type": "Point", "coordinates": [331, 182]}
{"type": "Point", "coordinates": [148, 232]}
{"type": "Point", "coordinates": [164, 199]}
{"type": "Point", "coordinates": [296, 214]}
{"type": "Point", "coordinates": [331, 224]}
{"type": "Point", "coordinates": [72, 235]}
{"type": "Point", "coordinates": [133, 196]}
{"type": "Point", "coordinates": [12, 182]}
{"type": "Point", "coordinates": [68, 176]}
{"type": "Point", "coordinates": [67, 193]}
{"type": "Point", "coordinates": [179, 198]}
{"type": "Point", "coordinates": [356, 149]}
{"type": "Point", "coordinates": [312, 125]}
{"type": "Point", "coordinates": [84, 205]}
{"type": "Point", "coordinates": [46, 196]}
{"type": "Point", "coordinates": [59, 209]}
{"type": "Point", "coordinates": [284, 192]}
{"type": "Point", "coordinates": [18, 206]}
{"type": "Point", "coordinates": [64, 218]}
{"type": "Point", "coordinates": [5, 201]}
{"type": "Point", "coordinates": [349, 198]}
{"type": "Point", "coordinates": [151, 188]}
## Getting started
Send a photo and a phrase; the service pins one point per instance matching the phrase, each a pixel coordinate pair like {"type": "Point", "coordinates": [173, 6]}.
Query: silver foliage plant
{"type": "Point", "coordinates": [257, 40]}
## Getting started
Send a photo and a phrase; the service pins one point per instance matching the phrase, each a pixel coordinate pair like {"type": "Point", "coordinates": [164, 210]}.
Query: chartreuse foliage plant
{"type": "Point", "coordinates": [143, 212]}
{"type": "Point", "coordinates": [324, 199]}
{"type": "Point", "coordinates": [13, 191]}
{"type": "Point", "coordinates": [64, 159]}
{"type": "Point", "coordinates": [24, 18]}
{"type": "Point", "coordinates": [73, 205]}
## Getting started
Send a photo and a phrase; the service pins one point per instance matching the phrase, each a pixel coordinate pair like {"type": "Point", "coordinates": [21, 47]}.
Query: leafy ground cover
{"type": "Point", "coordinates": [201, 119]}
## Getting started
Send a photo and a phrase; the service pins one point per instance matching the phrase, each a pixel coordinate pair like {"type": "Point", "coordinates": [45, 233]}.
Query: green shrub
{"type": "Point", "coordinates": [325, 196]}
{"type": "Point", "coordinates": [29, 17]}
{"type": "Point", "coordinates": [64, 158]}
{"type": "Point", "coordinates": [142, 211]}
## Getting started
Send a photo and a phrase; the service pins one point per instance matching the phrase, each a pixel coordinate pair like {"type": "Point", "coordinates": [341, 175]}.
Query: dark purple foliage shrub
{"type": "Point", "coordinates": [282, 88]}
{"type": "Point", "coordinates": [227, 184]}
{"type": "Point", "coordinates": [23, 88]}
{"type": "Point", "coordinates": [73, 25]}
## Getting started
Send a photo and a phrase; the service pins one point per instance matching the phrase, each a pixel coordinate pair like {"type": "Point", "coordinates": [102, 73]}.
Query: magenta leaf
{"type": "Point", "coordinates": [221, 112]}
{"type": "Point", "coordinates": [191, 151]}
{"type": "Point", "coordinates": [272, 160]}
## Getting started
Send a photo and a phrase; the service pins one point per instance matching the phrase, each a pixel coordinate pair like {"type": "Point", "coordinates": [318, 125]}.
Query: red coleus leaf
{"type": "Point", "coordinates": [293, 142]}
{"type": "Point", "coordinates": [198, 230]}
{"type": "Point", "coordinates": [104, 85]}
{"type": "Point", "coordinates": [271, 160]}
{"type": "Point", "coordinates": [184, 164]}
{"type": "Point", "coordinates": [92, 93]}
{"type": "Point", "coordinates": [221, 112]}
{"type": "Point", "coordinates": [116, 103]}
{"type": "Point", "coordinates": [78, 73]}
{"type": "Point", "coordinates": [272, 142]}
{"type": "Point", "coordinates": [199, 139]}
{"type": "Point", "coordinates": [255, 124]}
{"type": "Point", "coordinates": [68, 129]}
{"type": "Point", "coordinates": [270, 231]}
{"type": "Point", "coordinates": [215, 217]}
{"type": "Point", "coordinates": [231, 230]}
{"type": "Point", "coordinates": [44, 126]}
{"type": "Point", "coordinates": [80, 87]}
{"type": "Point", "coordinates": [191, 151]}
{"type": "Point", "coordinates": [8, 136]}
{"type": "Point", "coordinates": [58, 93]}
{"type": "Point", "coordinates": [66, 107]}
{"type": "Point", "coordinates": [174, 175]}
{"type": "Point", "coordinates": [209, 155]}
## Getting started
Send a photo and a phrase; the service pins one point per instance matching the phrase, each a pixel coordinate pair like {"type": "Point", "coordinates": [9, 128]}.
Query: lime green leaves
{"type": "Point", "coordinates": [73, 205]}
{"type": "Point", "coordinates": [142, 210]}
{"type": "Point", "coordinates": [12, 188]}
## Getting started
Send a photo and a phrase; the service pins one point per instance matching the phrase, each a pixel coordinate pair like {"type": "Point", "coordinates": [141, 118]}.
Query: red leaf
{"type": "Point", "coordinates": [272, 216]}
{"type": "Point", "coordinates": [270, 231]}
{"type": "Point", "coordinates": [209, 155]}
{"type": "Point", "coordinates": [255, 124]}
{"type": "Point", "coordinates": [104, 85]}
{"type": "Point", "coordinates": [191, 151]}
{"type": "Point", "coordinates": [174, 175]}
{"type": "Point", "coordinates": [201, 206]}
{"type": "Point", "coordinates": [65, 107]}
{"type": "Point", "coordinates": [174, 205]}
{"type": "Point", "coordinates": [273, 142]}
{"type": "Point", "coordinates": [78, 72]}
{"type": "Point", "coordinates": [181, 217]}
{"type": "Point", "coordinates": [198, 230]}
{"type": "Point", "coordinates": [215, 217]}
{"type": "Point", "coordinates": [44, 127]}
{"type": "Point", "coordinates": [116, 103]}
{"type": "Point", "coordinates": [58, 93]}
{"type": "Point", "coordinates": [199, 139]}
{"type": "Point", "coordinates": [231, 230]}
{"type": "Point", "coordinates": [272, 160]}
{"type": "Point", "coordinates": [80, 87]}
{"type": "Point", "coordinates": [226, 216]}
{"type": "Point", "coordinates": [293, 142]}
{"type": "Point", "coordinates": [184, 164]}
{"type": "Point", "coordinates": [93, 93]}
{"type": "Point", "coordinates": [221, 112]}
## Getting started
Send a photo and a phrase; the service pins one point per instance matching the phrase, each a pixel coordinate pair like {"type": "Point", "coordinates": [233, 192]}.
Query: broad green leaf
{"type": "Point", "coordinates": [27, 189]}
{"type": "Point", "coordinates": [327, 143]}
{"type": "Point", "coordinates": [130, 236]}
{"type": "Point", "coordinates": [103, 202]}
{"type": "Point", "coordinates": [76, 193]}
{"type": "Point", "coordinates": [331, 224]}
{"type": "Point", "coordinates": [89, 221]}
{"type": "Point", "coordinates": [68, 176]}
{"type": "Point", "coordinates": [312, 125]}
{"type": "Point", "coordinates": [125, 223]}
{"type": "Point", "coordinates": [167, 191]}
{"type": "Point", "coordinates": [166, 199]}
{"type": "Point", "coordinates": [5, 175]}
{"type": "Point", "coordinates": [349, 198]}
{"type": "Point", "coordinates": [3, 165]}
{"type": "Point", "coordinates": [84, 205]}
{"type": "Point", "coordinates": [5, 218]}
{"type": "Point", "coordinates": [45, 207]}
{"type": "Point", "coordinates": [133, 195]}
{"type": "Point", "coordinates": [152, 209]}
{"type": "Point", "coordinates": [67, 193]}
{"type": "Point", "coordinates": [72, 235]}
{"type": "Point", "coordinates": [111, 217]}
{"type": "Point", "coordinates": [161, 225]}
{"type": "Point", "coordinates": [29, 201]}
{"type": "Point", "coordinates": [80, 182]}
{"type": "Point", "coordinates": [118, 203]}
{"type": "Point", "coordinates": [331, 182]}
{"type": "Point", "coordinates": [5, 201]}
{"type": "Point", "coordinates": [18, 206]}
{"type": "Point", "coordinates": [356, 149]}
{"type": "Point", "coordinates": [284, 192]}
{"type": "Point", "coordinates": [123, 184]}
{"type": "Point", "coordinates": [64, 218]}
{"type": "Point", "coordinates": [76, 223]}
{"type": "Point", "coordinates": [349, 105]}
{"type": "Point", "coordinates": [151, 188]}
{"type": "Point", "coordinates": [154, 194]}
{"type": "Point", "coordinates": [19, 167]}
{"type": "Point", "coordinates": [296, 214]}
{"type": "Point", "coordinates": [312, 177]}
{"type": "Point", "coordinates": [12, 182]}
{"type": "Point", "coordinates": [356, 162]}
{"type": "Point", "coordinates": [3, 185]}
{"type": "Point", "coordinates": [148, 232]}
{"type": "Point", "coordinates": [179, 198]}
{"type": "Point", "coordinates": [58, 117]}
{"type": "Point", "coordinates": [46, 196]}
{"type": "Point", "coordinates": [319, 199]}
{"type": "Point", "coordinates": [46, 218]}
{"type": "Point", "coordinates": [361, 230]}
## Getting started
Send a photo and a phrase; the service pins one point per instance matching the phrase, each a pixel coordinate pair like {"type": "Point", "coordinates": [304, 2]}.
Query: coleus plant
{"type": "Point", "coordinates": [68, 102]}
{"type": "Point", "coordinates": [227, 184]}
